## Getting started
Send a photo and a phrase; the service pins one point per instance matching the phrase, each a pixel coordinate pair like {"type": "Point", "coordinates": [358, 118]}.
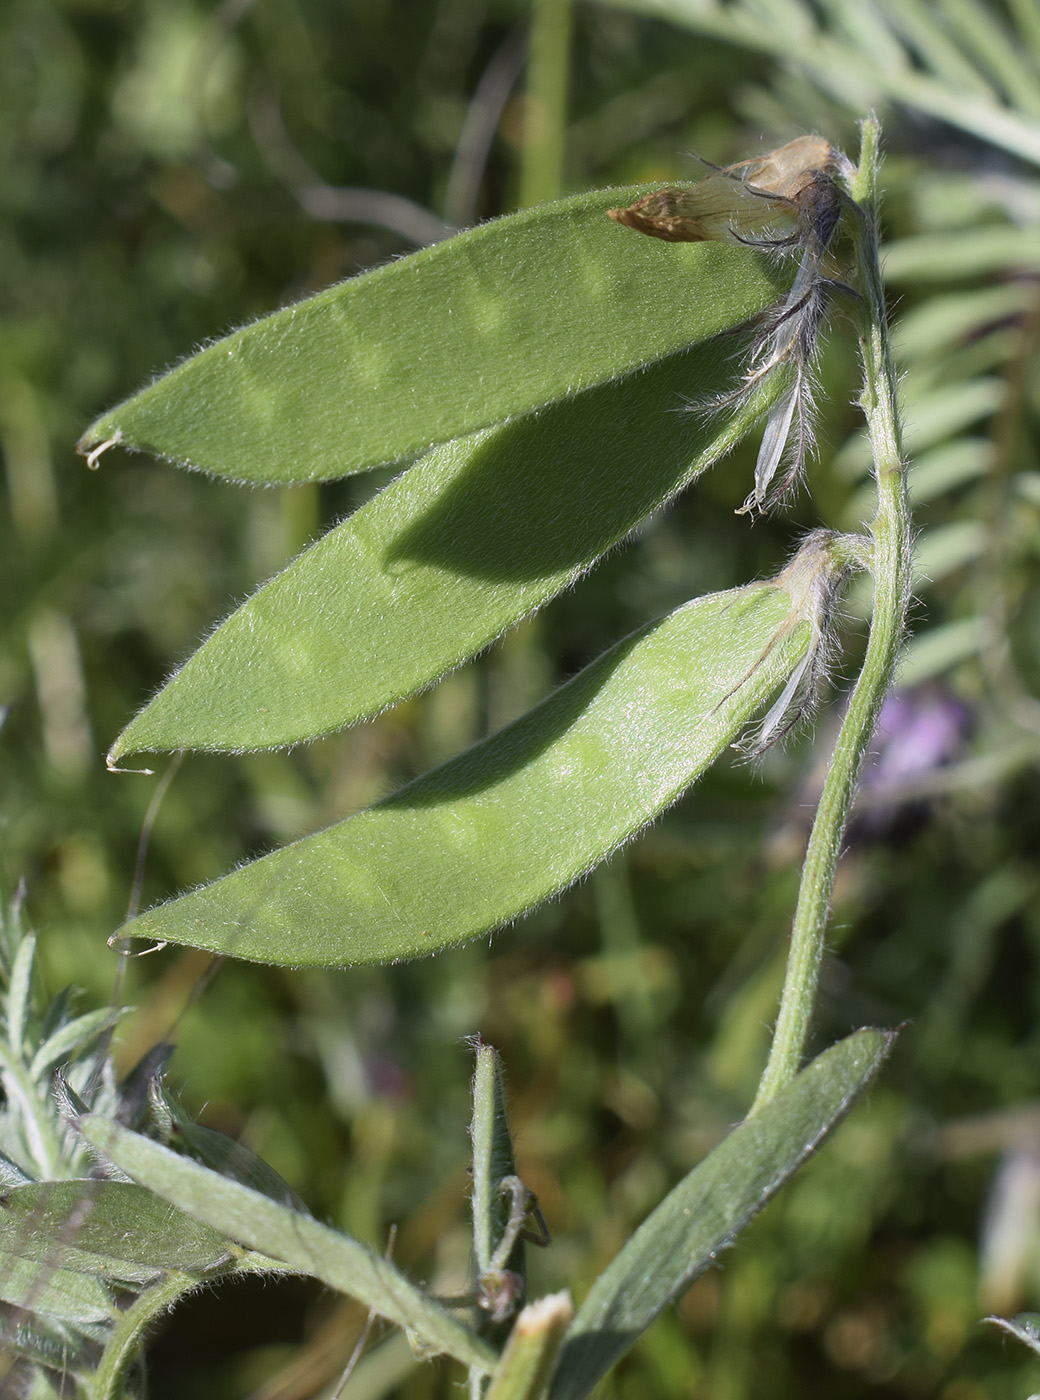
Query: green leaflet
{"type": "Point", "coordinates": [496, 322]}
{"type": "Point", "coordinates": [709, 1207]}
{"type": "Point", "coordinates": [282, 1233]}
{"type": "Point", "coordinates": [107, 1229]}
{"type": "Point", "coordinates": [479, 533]}
{"type": "Point", "coordinates": [53, 1276]}
{"type": "Point", "coordinates": [224, 1154]}
{"type": "Point", "coordinates": [517, 818]}
{"type": "Point", "coordinates": [69, 1295]}
{"type": "Point", "coordinates": [492, 1149]}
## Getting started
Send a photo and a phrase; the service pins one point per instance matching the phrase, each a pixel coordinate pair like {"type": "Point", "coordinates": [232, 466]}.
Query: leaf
{"type": "Point", "coordinates": [67, 1283]}
{"type": "Point", "coordinates": [943, 412]}
{"type": "Point", "coordinates": [943, 322]}
{"type": "Point", "coordinates": [527, 1360]}
{"type": "Point", "coordinates": [517, 818]}
{"type": "Point", "coordinates": [481, 532]}
{"type": "Point", "coordinates": [950, 465]}
{"type": "Point", "coordinates": [1024, 1328]}
{"type": "Point", "coordinates": [984, 250]}
{"type": "Point", "coordinates": [949, 547]}
{"type": "Point", "coordinates": [72, 1038]}
{"type": "Point", "coordinates": [279, 1232]}
{"type": "Point", "coordinates": [114, 1220]}
{"type": "Point", "coordinates": [825, 45]}
{"type": "Point", "coordinates": [940, 649]}
{"type": "Point", "coordinates": [55, 1279]}
{"type": "Point", "coordinates": [492, 1147]}
{"type": "Point", "coordinates": [105, 1228]}
{"type": "Point", "coordinates": [46, 1288]}
{"type": "Point", "coordinates": [54, 1346]}
{"type": "Point", "coordinates": [709, 1208]}
{"type": "Point", "coordinates": [18, 1000]}
{"type": "Point", "coordinates": [501, 320]}
{"type": "Point", "coordinates": [224, 1154]}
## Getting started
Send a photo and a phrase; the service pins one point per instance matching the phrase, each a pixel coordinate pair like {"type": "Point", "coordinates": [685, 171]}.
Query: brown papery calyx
{"type": "Point", "coordinates": [737, 202]}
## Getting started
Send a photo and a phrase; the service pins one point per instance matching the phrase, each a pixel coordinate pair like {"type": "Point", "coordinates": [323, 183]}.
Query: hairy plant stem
{"type": "Point", "coordinates": [109, 1380]}
{"type": "Point", "coordinates": [890, 533]}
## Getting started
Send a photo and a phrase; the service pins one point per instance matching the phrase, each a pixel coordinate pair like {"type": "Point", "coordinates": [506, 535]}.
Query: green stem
{"type": "Point", "coordinates": [890, 531]}
{"type": "Point", "coordinates": [545, 121]}
{"type": "Point", "coordinates": [109, 1379]}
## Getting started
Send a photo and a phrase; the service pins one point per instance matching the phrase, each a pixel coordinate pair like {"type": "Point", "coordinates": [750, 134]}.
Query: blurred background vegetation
{"type": "Point", "coordinates": [172, 169]}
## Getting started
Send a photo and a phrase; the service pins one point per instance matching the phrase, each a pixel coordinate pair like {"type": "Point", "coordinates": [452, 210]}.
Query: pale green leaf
{"type": "Point", "coordinates": [949, 466]}
{"type": "Point", "coordinates": [517, 818]}
{"type": "Point", "coordinates": [981, 251]}
{"type": "Point", "coordinates": [922, 25]}
{"type": "Point", "coordinates": [497, 322]}
{"type": "Point", "coordinates": [1024, 1328]}
{"type": "Point", "coordinates": [527, 1361]}
{"type": "Point", "coordinates": [708, 1209]}
{"type": "Point", "coordinates": [1027, 485]}
{"type": "Point", "coordinates": [222, 1153]}
{"type": "Point", "coordinates": [996, 50]}
{"type": "Point", "coordinates": [936, 414]}
{"type": "Point", "coordinates": [281, 1233]}
{"type": "Point", "coordinates": [73, 1037]}
{"type": "Point", "coordinates": [942, 322]}
{"type": "Point", "coordinates": [55, 1279]}
{"type": "Point", "coordinates": [53, 1291]}
{"type": "Point", "coordinates": [18, 1001]}
{"type": "Point", "coordinates": [847, 73]}
{"type": "Point", "coordinates": [105, 1228]}
{"type": "Point", "coordinates": [947, 548]}
{"type": "Point", "coordinates": [939, 650]}
{"type": "Point", "coordinates": [55, 1347]}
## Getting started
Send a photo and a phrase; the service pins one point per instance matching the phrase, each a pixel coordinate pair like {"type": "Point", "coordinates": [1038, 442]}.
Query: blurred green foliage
{"type": "Point", "coordinates": [173, 169]}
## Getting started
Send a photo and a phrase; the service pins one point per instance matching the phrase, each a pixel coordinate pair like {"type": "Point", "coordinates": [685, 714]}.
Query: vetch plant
{"type": "Point", "coordinates": [88, 1259]}
{"type": "Point", "coordinates": [109, 1217]}
{"type": "Point", "coordinates": [523, 375]}
{"type": "Point", "coordinates": [223, 164]}
{"type": "Point", "coordinates": [540, 406]}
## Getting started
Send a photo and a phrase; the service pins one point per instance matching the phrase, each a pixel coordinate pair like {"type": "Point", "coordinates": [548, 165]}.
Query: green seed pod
{"type": "Point", "coordinates": [516, 819]}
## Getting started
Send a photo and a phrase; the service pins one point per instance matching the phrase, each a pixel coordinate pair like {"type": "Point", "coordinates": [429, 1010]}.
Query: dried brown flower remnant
{"type": "Point", "coordinates": [786, 199]}
{"type": "Point", "coordinates": [737, 202]}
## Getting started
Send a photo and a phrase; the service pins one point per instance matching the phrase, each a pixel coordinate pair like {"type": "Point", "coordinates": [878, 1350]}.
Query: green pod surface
{"type": "Point", "coordinates": [472, 538]}
{"type": "Point", "coordinates": [499, 321]}
{"type": "Point", "coordinates": [517, 818]}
